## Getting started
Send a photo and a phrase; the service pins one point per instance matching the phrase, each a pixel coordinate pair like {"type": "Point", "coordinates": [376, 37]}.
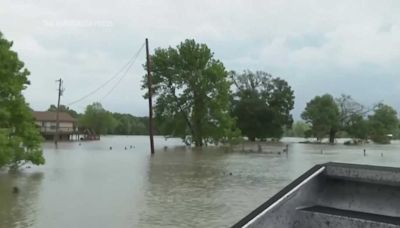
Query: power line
{"type": "Point", "coordinates": [105, 83]}
{"type": "Point", "coordinates": [124, 74]}
{"type": "Point", "coordinates": [129, 63]}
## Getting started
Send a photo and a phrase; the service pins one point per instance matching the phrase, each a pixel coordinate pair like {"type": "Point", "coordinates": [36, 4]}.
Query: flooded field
{"type": "Point", "coordinates": [88, 185]}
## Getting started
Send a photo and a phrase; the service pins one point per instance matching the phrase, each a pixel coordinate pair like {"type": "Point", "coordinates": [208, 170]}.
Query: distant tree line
{"type": "Point", "coordinates": [101, 121]}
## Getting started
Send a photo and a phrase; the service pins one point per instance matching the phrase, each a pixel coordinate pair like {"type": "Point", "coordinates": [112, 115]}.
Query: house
{"type": "Point", "coordinates": [46, 121]}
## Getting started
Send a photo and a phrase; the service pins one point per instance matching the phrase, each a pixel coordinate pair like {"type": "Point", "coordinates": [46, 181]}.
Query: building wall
{"type": "Point", "coordinates": [50, 127]}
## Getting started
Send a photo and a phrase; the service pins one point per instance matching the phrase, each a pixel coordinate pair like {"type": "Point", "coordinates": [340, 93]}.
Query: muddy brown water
{"type": "Point", "coordinates": [89, 185]}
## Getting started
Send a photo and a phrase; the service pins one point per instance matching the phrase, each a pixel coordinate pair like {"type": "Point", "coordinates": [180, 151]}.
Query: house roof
{"type": "Point", "coordinates": [52, 116]}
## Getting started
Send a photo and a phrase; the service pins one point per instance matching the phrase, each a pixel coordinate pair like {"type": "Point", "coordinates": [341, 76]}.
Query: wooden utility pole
{"type": "Point", "coordinates": [56, 135]}
{"type": "Point", "coordinates": [149, 83]}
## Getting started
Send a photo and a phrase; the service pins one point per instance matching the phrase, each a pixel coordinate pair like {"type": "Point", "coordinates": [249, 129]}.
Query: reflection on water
{"type": "Point", "coordinates": [89, 185]}
{"type": "Point", "coordinates": [19, 209]}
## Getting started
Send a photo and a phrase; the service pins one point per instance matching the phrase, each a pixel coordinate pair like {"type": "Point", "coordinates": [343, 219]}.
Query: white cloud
{"type": "Point", "coordinates": [309, 43]}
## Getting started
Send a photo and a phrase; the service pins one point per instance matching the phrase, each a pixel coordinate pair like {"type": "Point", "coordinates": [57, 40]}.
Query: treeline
{"type": "Point", "coordinates": [200, 101]}
{"type": "Point", "coordinates": [101, 121]}
{"type": "Point", "coordinates": [326, 116]}
{"type": "Point", "coordinates": [128, 124]}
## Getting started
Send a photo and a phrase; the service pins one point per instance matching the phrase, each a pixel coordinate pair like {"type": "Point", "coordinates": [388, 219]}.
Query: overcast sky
{"type": "Point", "coordinates": [336, 47]}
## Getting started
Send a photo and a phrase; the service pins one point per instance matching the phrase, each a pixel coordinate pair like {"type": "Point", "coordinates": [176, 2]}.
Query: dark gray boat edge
{"type": "Point", "coordinates": [364, 173]}
{"type": "Point", "coordinates": [353, 214]}
{"type": "Point", "coordinates": [277, 196]}
{"type": "Point", "coordinates": [361, 166]}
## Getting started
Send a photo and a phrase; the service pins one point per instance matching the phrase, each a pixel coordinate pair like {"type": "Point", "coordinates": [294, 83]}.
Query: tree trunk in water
{"type": "Point", "coordinates": [197, 137]}
{"type": "Point", "coordinates": [198, 142]}
{"type": "Point", "coordinates": [332, 134]}
{"type": "Point", "coordinates": [252, 138]}
{"type": "Point", "coordinates": [197, 116]}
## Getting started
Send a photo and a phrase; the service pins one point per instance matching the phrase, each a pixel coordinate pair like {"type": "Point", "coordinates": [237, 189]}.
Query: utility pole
{"type": "Point", "coordinates": [58, 112]}
{"type": "Point", "coordinates": [149, 83]}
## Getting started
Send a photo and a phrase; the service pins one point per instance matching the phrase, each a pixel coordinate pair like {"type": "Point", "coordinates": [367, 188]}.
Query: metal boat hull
{"type": "Point", "coordinates": [333, 195]}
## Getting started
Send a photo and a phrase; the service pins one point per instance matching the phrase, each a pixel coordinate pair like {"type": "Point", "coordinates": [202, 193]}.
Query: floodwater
{"type": "Point", "coordinates": [89, 185]}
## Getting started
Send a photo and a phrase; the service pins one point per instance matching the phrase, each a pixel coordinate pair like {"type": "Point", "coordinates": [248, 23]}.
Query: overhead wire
{"type": "Point", "coordinates": [128, 64]}
{"type": "Point", "coordinates": [124, 74]}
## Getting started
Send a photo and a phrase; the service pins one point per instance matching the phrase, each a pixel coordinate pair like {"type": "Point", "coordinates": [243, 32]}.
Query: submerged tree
{"type": "Point", "coordinates": [98, 119]}
{"type": "Point", "coordinates": [348, 108]}
{"type": "Point", "coordinates": [383, 123]}
{"type": "Point", "coordinates": [192, 94]}
{"type": "Point", "coordinates": [357, 127]}
{"type": "Point", "coordinates": [351, 117]}
{"type": "Point", "coordinates": [20, 140]}
{"type": "Point", "coordinates": [262, 104]}
{"type": "Point", "coordinates": [322, 113]}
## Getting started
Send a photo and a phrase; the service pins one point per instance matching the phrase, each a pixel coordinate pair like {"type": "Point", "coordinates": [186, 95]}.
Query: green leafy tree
{"type": "Point", "coordinates": [262, 104]}
{"type": "Point", "coordinates": [20, 140]}
{"type": "Point", "coordinates": [383, 122]}
{"type": "Point", "coordinates": [357, 127]}
{"type": "Point", "coordinates": [63, 108]}
{"type": "Point", "coordinates": [322, 113]}
{"type": "Point", "coordinates": [348, 108]}
{"type": "Point", "coordinates": [396, 133]}
{"type": "Point", "coordinates": [192, 94]}
{"type": "Point", "coordinates": [351, 117]}
{"type": "Point", "coordinates": [98, 119]}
